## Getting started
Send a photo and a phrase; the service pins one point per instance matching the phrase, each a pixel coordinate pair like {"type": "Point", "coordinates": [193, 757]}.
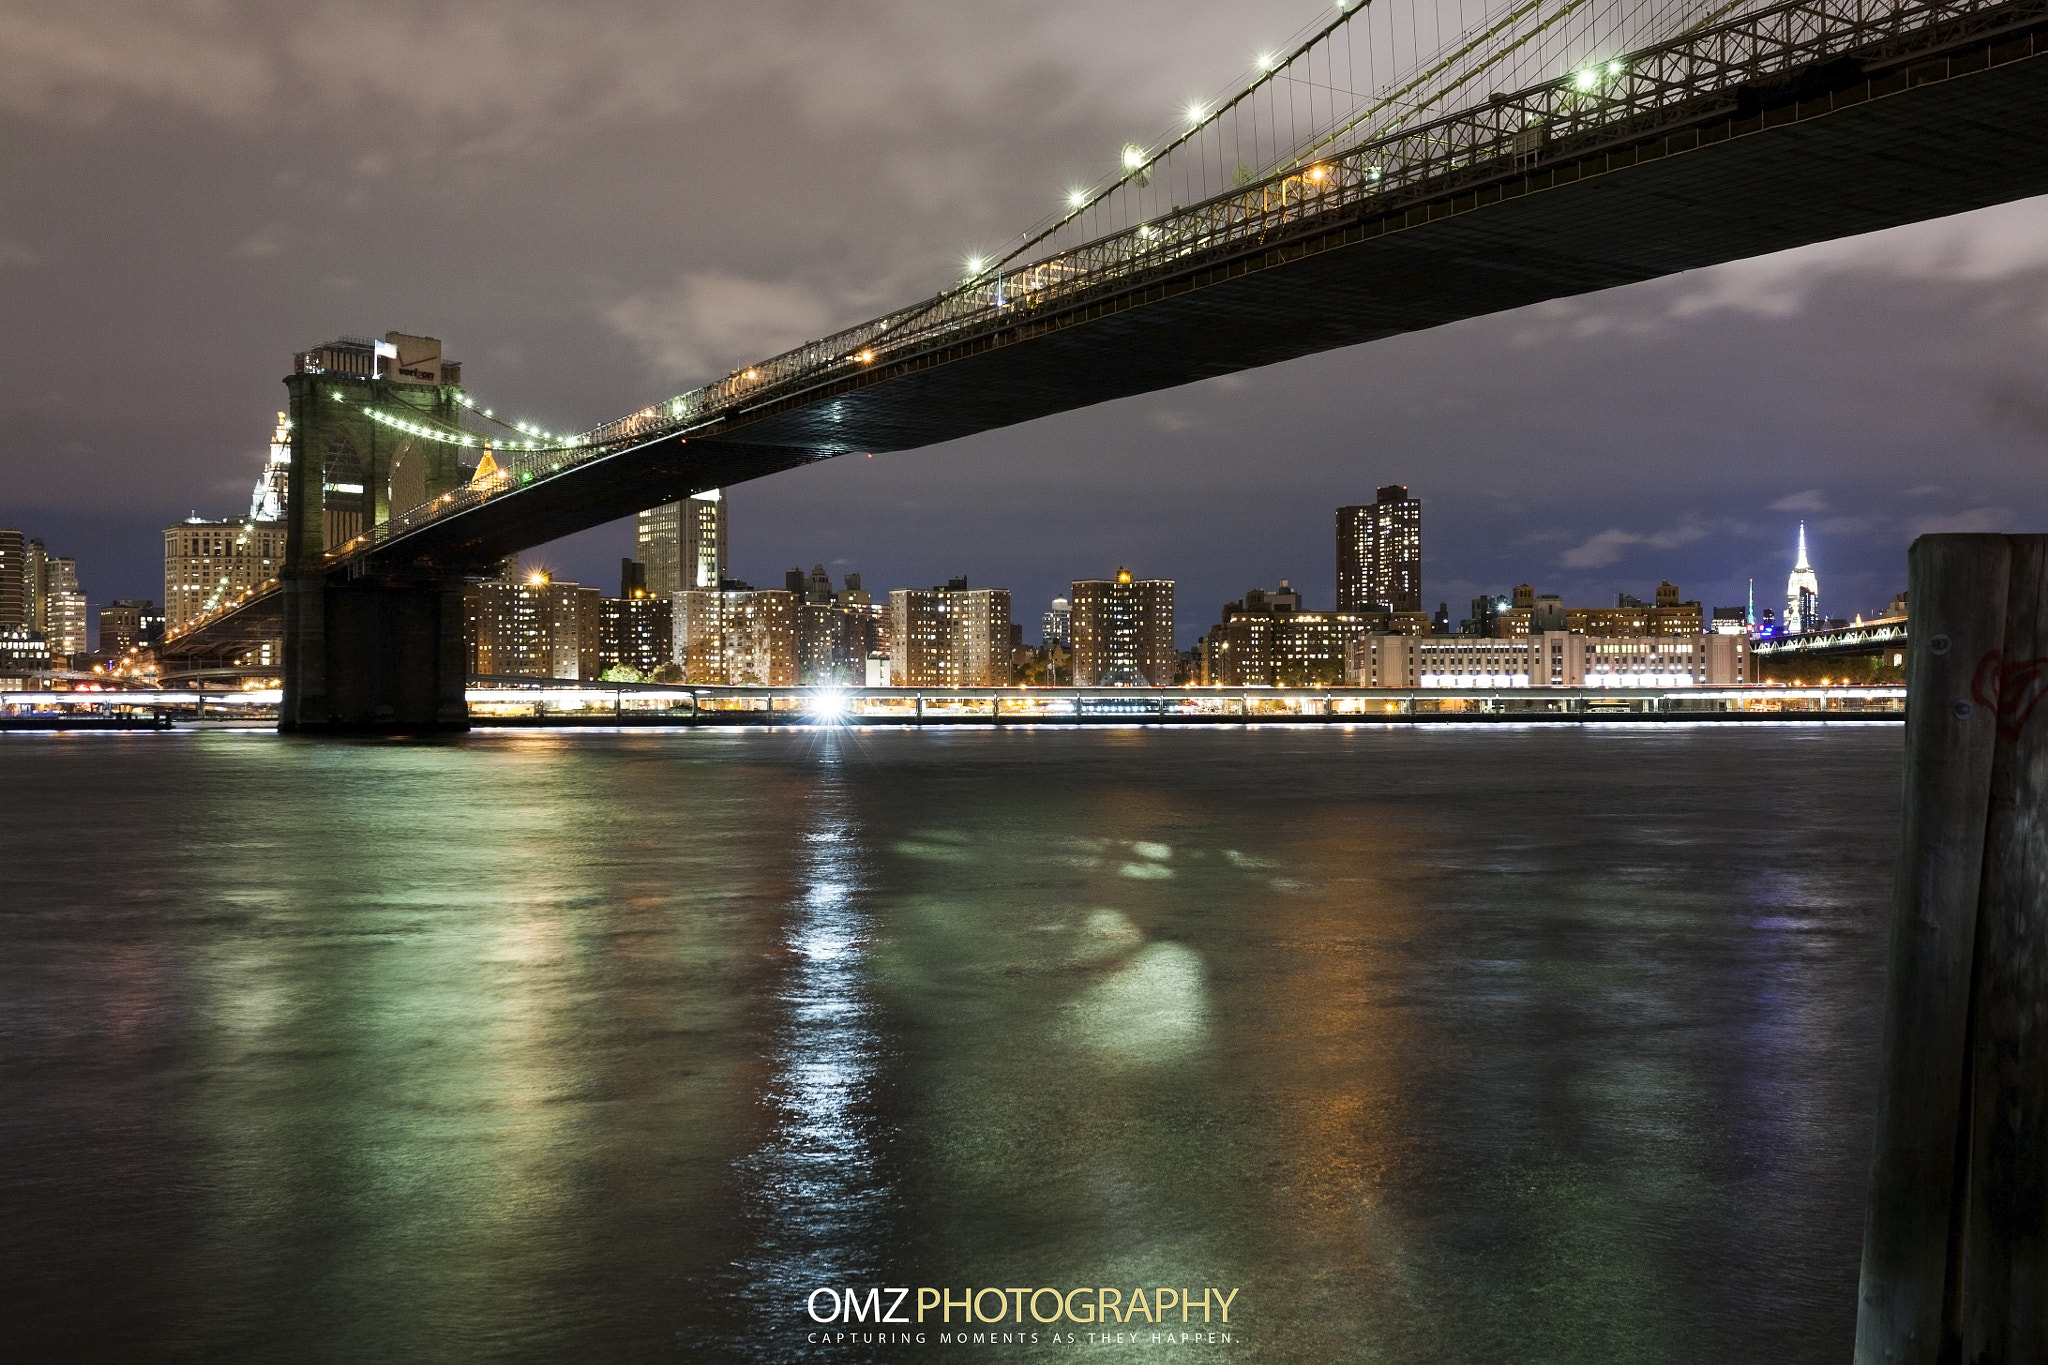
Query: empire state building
{"type": "Point", "coordinates": [1802, 593]}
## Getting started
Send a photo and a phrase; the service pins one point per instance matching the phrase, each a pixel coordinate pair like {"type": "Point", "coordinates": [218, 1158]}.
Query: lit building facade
{"type": "Point", "coordinates": [1551, 659]}
{"type": "Point", "coordinates": [207, 563]}
{"type": "Point", "coordinates": [1266, 640]}
{"type": "Point", "coordinates": [740, 638]}
{"type": "Point", "coordinates": [130, 623]}
{"type": "Point", "coordinates": [683, 544]}
{"type": "Point", "coordinates": [22, 652]}
{"type": "Point", "coordinates": [1056, 627]}
{"type": "Point", "coordinates": [951, 636]}
{"type": "Point", "coordinates": [1122, 631]}
{"type": "Point", "coordinates": [534, 628]}
{"type": "Point", "coordinates": [638, 632]}
{"type": "Point", "coordinates": [1379, 553]}
{"type": "Point", "coordinates": [1802, 593]}
{"type": "Point", "coordinates": [13, 578]}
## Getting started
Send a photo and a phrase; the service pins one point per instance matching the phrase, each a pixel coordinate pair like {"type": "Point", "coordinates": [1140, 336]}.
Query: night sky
{"type": "Point", "coordinates": [596, 207]}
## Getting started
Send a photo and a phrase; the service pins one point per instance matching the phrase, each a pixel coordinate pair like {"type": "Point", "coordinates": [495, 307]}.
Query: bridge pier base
{"type": "Point", "coordinates": [377, 656]}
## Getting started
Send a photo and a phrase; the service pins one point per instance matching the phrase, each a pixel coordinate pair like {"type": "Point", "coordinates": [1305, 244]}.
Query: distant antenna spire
{"type": "Point", "coordinates": [1802, 564]}
{"type": "Point", "coordinates": [1752, 602]}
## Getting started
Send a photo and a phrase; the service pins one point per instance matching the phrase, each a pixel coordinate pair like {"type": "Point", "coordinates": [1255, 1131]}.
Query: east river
{"type": "Point", "coordinates": [1465, 1045]}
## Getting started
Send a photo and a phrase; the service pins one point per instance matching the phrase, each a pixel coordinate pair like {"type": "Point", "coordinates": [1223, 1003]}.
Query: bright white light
{"type": "Point", "coordinates": [1194, 112]}
{"type": "Point", "coordinates": [1614, 68]}
{"type": "Point", "coordinates": [1586, 80]}
{"type": "Point", "coordinates": [828, 705]}
{"type": "Point", "coordinates": [1267, 61]}
{"type": "Point", "coordinates": [974, 265]}
{"type": "Point", "coordinates": [1134, 156]}
{"type": "Point", "coordinates": [1076, 198]}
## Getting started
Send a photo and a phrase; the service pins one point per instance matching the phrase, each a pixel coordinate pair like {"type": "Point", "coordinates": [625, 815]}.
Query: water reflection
{"type": "Point", "coordinates": [819, 1204]}
{"type": "Point", "coordinates": [1540, 1045]}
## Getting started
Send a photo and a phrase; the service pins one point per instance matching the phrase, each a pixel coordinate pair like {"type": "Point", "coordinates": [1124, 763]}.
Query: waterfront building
{"type": "Point", "coordinates": [1056, 627]}
{"type": "Point", "coordinates": [1122, 631]}
{"type": "Point", "coordinates": [683, 544]}
{"type": "Point", "coordinates": [1379, 553]}
{"type": "Point", "coordinates": [13, 579]}
{"type": "Point", "coordinates": [1802, 593]}
{"type": "Point", "coordinates": [1266, 640]}
{"type": "Point", "coordinates": [534, 628]}
{"type": "Point", "coordinates": [1730, 621]}
{"type": "Point", "coordinates": [1632, 616]}
{"type": "Point", "coordinates": [207, 563]}
{"type": "Point", "coordinates": [736, 636]}
{"type": "Point", "coordinates": [951, 636]}
{"type": "Point", "coordinates": [22, 652]}
{"type": "Point", "coordinates": [1551, 659]}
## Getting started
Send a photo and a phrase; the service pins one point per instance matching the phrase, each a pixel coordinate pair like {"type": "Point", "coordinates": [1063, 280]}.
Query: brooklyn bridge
{"type": "Point", "coordinates": [1552, 148]}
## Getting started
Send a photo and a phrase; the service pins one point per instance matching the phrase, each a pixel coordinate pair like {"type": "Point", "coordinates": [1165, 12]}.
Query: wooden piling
{"type": "Point", "coordinates": [1908, 1306]}
{"type": "Point", "coordinates": [2001, 1282]}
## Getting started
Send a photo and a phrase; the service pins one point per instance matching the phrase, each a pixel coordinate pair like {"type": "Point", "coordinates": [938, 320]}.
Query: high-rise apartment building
{"type": "Point", "coordinates": [1379, 553]}
{"type": "Point", "coordinates": [951, 636]}
{"type": "Point", "coordinates": [207, 563]}
{"type": "Point", "coordinates": [638, 627]}
{"type": "Point", "coordinates": [736, 637]}
{"type": "Point", "coordinates": [13, 578]}
{"type": "Point", "coordinates": [1123, 631]}
{"type": "Point", "coordinates": [534, 628]}
{"type": "Point", "coordinates": [683, 544]}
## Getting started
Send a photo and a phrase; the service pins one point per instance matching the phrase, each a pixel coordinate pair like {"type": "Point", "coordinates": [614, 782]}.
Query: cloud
{"type": "Point", "coordinates": [1610, 545]}
{"type": "Point", "coordinates": [268, 240]}
{"type": "Point", "coordinates": [708, 323]}
{"type": "Point", "coordinates": [1985, 246]}
{"type": "Point", "coordinates": [14, 254]}
{"type": "Point", "coordinates": [1808, 501]}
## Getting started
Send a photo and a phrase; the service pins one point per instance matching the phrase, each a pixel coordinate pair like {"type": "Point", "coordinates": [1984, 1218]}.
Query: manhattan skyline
{"type": "Point", "coordinates": [1875, 388]}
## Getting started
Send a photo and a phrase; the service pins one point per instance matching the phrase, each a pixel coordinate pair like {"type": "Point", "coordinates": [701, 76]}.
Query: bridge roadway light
{"type": "Point", "coordinates": [1076, 198]}
{"type": "Point", "coordinates": [1134, 156]}
{"type": "Point", "coordinates": [1195, 113]}
{"type": "Point", "coordinates": [1586, 80]}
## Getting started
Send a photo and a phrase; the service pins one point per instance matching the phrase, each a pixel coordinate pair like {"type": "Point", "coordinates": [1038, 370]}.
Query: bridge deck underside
{"type": "Point", "coordinates": [1956, 144]}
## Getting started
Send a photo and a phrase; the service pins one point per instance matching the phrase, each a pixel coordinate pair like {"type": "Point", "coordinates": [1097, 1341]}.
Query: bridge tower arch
{"type": "Point", "coordinates": [377, 646]}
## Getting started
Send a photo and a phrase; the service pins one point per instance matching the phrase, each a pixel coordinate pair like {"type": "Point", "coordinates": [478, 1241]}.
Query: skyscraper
{"type": "Point", "coordinates": [13, 579]}
{"type": "Point", "coordinates": [1379, 553]}
{"type": "Point", "coordinates": [65, 609]}
{"type": "Point", "coordinates": [1123, 631]}
{"type": "Point", "coordinates": [1802, 593]}
{"type": "Point", "coordinates": [683, 544]}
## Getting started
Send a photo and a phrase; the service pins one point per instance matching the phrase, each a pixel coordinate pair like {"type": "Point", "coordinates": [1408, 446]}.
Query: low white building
{"type": "Point", "coordinates": [1553, 659]}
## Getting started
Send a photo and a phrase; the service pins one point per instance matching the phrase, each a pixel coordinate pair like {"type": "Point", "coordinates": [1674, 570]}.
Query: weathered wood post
{"type": "Point", "coordinates": [1955, 1266]}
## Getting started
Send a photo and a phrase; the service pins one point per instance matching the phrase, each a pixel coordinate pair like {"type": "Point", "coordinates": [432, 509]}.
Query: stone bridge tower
{"type": "Point", "coordinates": [380, 646]}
